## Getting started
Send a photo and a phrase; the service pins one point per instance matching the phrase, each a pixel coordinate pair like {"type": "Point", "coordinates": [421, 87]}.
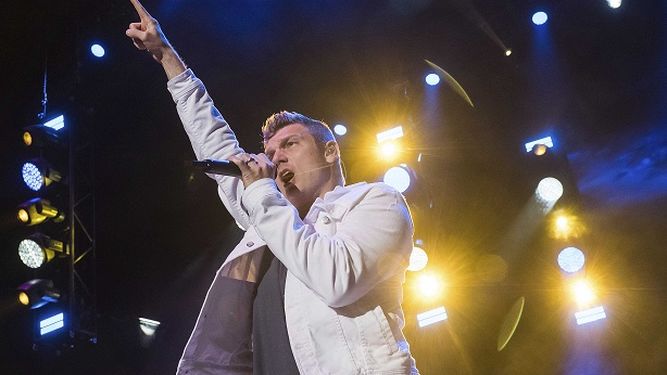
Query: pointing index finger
{"type": "Point", "coordinates": [143, 13]}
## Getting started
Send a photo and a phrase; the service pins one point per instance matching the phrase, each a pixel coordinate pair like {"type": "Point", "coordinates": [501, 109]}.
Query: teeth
{"type": "Point", "coordinates": [286, 176]}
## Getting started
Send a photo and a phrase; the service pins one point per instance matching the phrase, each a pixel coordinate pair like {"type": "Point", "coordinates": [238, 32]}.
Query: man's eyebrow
{"type": "Point", "coordinates": [268, 150]}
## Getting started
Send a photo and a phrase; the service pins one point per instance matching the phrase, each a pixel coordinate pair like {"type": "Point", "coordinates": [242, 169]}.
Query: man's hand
{"type": "Point", "coordinates": [148, 36]}
{"type": "Point", "coordinates": [254, 167]}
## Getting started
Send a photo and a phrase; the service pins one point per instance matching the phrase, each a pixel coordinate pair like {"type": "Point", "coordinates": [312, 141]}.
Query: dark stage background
{"type": "Point", "coordinates": [594, 77]}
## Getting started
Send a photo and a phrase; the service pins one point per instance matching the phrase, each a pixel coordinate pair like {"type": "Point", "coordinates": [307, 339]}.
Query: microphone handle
{"type": "Point", "coordinates": [223, 167]}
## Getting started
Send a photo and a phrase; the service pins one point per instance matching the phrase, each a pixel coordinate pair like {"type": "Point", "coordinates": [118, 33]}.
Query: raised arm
{"type": "Point", "coordinates": [148, 36]}
{"type": "Point", "coordinates": [210, 135]}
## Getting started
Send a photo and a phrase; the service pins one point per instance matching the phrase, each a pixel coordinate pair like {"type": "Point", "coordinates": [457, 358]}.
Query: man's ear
{"type": "Point", "coordinates": [331, 151]}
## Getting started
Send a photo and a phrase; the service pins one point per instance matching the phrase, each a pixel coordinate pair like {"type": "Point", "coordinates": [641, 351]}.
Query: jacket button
{"type": "Point", "coordinates": [250, 244]}
{"type": "Point", "coordinates": [326, 220]}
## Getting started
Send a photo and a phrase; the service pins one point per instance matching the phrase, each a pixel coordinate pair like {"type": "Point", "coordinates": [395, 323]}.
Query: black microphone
{"type": "Point", "coordinates": [223, 167]}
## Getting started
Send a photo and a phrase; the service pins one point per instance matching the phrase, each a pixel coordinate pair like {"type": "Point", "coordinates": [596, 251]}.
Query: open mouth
{"type": "Point", "coordinates": [286, 176]}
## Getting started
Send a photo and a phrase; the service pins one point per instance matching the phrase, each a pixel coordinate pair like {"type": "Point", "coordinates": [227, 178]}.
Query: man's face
{"type": "Point", "coordinates": [302, 170]}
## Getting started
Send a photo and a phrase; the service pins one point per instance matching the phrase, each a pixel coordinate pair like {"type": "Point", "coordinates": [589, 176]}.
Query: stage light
{"type": "Point", "coordinates": [52, 323]}
{"type": "Point", "coordinates": [508, 52]}
{"type": "Point", "coordinates": [56, 123]}
{"type": "Point", "coordinates": [388, 151]}
{"type": "Point", "coordinates": [582, 292]}
{"type": "Point", "coordinates": [432, 79]}
{"type": "Point", "coordinates": [39, 135]}
{"type": "Point", "coordinates": [340, 129]}
{"type": "Point", "coordinates": [546, 141]}
{"type": "Point", "coordinates": [540, 18]}
{"type": "Point", "coordinates": [38, 249]}
{"type": "Point", "coordinates": [429, 317]}
{"type": "Point", "coordinates": [418, 259]}
{"type": "Point", "coordinates": [390, 134]}
{"type": "Point", "coordinates": [97, 50]}
{"type": "Point", "coordinates": [590, 315]}
{"type": "Point", "coordinates": [148, 326]}
{"type": "Point", "coordinates": [398, 177]}
{"type": "Point", "coordinates": [571, 259]}
{"type": "Point", "coordinates": [615, 4]}
{"type": "Point", "coordinates": [549, 190]}
{"type": "Point", "coordinates": [428, 286]}
{"type": "Point", "coordinates": [37, 174]}
{"type": "Point", "coordinates": [37, 293]}
{"type": "Point", "coordinates": [37, 210]}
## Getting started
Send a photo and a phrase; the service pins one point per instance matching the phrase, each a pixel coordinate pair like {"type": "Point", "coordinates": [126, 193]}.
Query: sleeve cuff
{"type": "Point", "coordinates": [253, 195]}
{"type": "Point", "coordinates": [183, 84]}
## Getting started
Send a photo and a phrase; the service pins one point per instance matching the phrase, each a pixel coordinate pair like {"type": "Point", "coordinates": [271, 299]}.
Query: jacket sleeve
{"type": "Point", "coordinates": [372, 242]}
{"type": "Point", "coordinates": [210, 135]}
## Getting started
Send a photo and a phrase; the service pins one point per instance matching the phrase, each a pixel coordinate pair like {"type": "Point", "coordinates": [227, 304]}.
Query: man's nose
{"type": "Point", "coordinates": [279, 157]}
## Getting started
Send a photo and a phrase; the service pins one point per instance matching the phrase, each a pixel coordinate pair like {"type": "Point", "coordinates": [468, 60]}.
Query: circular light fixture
{"type": "Point", "coordinates": [540, 18]}
{"type": "Point", "coordinates": [23, 215]}
{"type": "Point", "coordinates": [418, 259]}
{"type": "Point", "coordinates": [508, 52]}
{"type": "Point", "coordinates": [432, 79]}
{"type": "Point", "coordinates": [549, 190]}
{"type": "Point", "coordinates": [97, 50]}
{"type": "Point", "coordinates": [540, 149]}
{"type": "Point", "coordinates": [31, 254]}
{"type": "Point", "coordinates": [32, 176]}
{"type": "Point", "coordinates": [571, 259]}
{"type": "Point", "coordinates": [398, 178]}
{"type": "Point", "coordinates": [24, 299]}
{"type": "Point", "coordinates": [27, 138]}
{"type": "Point", "coordinates": [340, 129]}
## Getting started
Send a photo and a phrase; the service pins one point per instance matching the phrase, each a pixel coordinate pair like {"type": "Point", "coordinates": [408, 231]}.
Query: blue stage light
{"type": "Point", "coordinates": [52, 323]}
{"type": "Point", "coordinates": [540, 18]}
{"type": "Point", "coordinates": [32, 176]}
{"type": "Point", "coordinates": [97, 50]}
{"type": "Point", "coordinates": [340, 129]}
{"type": "Point", "coordinates": [432, 79]}
{"type": "Point", "coordinates": [56, 123]}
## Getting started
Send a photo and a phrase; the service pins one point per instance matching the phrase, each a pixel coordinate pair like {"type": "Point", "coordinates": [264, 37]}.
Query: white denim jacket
{"type": "Point", "coordinates": [346, 264]}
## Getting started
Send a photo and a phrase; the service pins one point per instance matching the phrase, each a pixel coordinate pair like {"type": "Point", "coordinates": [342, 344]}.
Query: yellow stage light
{"type": "Point", "coordinates": [23, 215]}
{"type": "Point", "coordinates": [37, 210]}
{"type": "Point", "coordinates": [388, 150]}
{"type": "Point", "coordinates": [429, 286]}
{"type": "Point", "coordinates": [564, 225]}
{"type": "Point", "coordinates": [27, 138]}
{"type": "Point", "coordinates": [582, 292]}
{"type": "Point", "coordinates": [539, 149]}
{"type": "Point", "coordinates": [24, 299]}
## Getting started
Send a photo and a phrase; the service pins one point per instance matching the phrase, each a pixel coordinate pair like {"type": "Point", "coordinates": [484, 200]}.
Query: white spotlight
{"type": "Point", "coordinates": [432, 79]}
{"type": "Point", "coordinates": [97, 50]}
{"type": "Point", "coordinates": [549, 190]}
{"type": "Point", "coordinates": [418, 259]}
{"type": "Point", "coordinates": [571, 259]}
{"type": "Point", "coordinates": [340, 129]}
{"type": "Point", "coordinates": [614, 4]}
{"type": "Point", "coordinates": [148, 326]}
{"type": "Point", "coordinates": [398, 178]}
{"type": "Point", "coordinates": [508, 52]}
{"type": "Point", "coordinates": [540, 18]}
